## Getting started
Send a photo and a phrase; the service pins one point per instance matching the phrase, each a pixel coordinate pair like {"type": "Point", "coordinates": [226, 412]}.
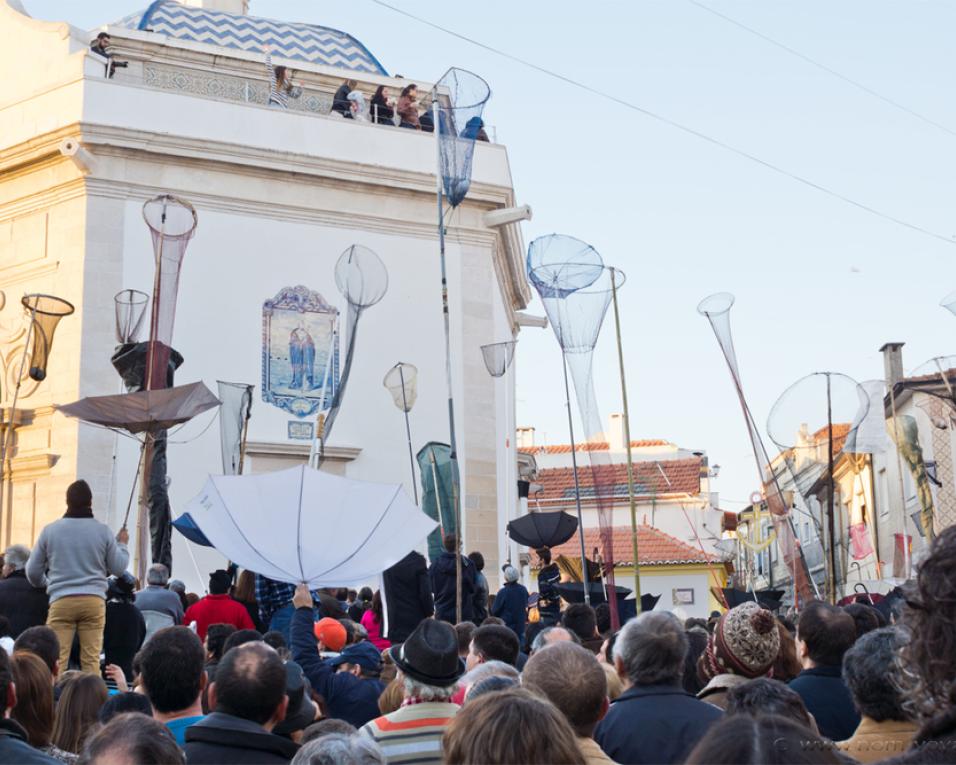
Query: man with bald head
{"type": "Point", "coordinates": [550, 635]}
{"type": "Point", "coordinates": [249, 699]}
{"type": "Point", "coordinates": [583, 701]}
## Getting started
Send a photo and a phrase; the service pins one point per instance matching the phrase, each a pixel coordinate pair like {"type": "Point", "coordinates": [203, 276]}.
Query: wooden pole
{"type": "Point", "coordinates": [627, 440]}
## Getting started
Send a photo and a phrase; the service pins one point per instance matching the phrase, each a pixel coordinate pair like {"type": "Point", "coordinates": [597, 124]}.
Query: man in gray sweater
{"type": "Point", "coordinates": [73, 558]}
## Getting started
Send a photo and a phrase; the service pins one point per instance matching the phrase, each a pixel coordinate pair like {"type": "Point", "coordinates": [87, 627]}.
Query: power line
{"type": "Point", "coordinates": [672, 123]}
{"type": "Point", "coordinates": [829, 70]}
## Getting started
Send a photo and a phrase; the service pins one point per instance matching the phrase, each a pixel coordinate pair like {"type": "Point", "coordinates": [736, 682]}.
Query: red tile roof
{"type": "Point", "coordinates": [654, 547]}
{"type": "Point", "coordinates": [651, 477]}
{"type": "Point", "coordinates": [840, 431]}
{"type": "Point", "coordinates": [592, 446]}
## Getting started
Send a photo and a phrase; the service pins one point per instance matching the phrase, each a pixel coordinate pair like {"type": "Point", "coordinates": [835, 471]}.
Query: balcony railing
{"type": "Point", "coordinates": [240, 77]}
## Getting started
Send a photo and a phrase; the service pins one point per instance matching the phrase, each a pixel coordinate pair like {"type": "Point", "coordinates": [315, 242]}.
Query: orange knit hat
{"type": "Point", "coordinates": [331, 633]}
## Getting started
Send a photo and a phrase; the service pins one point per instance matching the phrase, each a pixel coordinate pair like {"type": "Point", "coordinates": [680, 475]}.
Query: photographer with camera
{"type": "Point", "coordinates": [101, 47]}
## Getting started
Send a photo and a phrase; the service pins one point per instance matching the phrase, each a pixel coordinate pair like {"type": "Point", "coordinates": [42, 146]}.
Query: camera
{"type": "Point", "coordinates": [114, 65]}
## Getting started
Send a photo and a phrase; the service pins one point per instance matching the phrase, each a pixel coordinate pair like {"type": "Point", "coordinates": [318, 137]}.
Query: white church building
{"type": "Point", "coordinates": [279, 194]}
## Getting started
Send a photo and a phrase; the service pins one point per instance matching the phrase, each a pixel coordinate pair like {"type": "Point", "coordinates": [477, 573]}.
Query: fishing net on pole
{"type": "Point", "coordinates": [497, 357]}
{"type": "Point", "coordinates": [234, 414]}
{"type": "Point", "coordinates": [401, 381]}
{"type": "Point", "coordinates": [439, 483]}
{"type": "Point", "coordinates": [575, 288]}
{"type": "Point", "coordinates": [810, 423]}
{"type": "Point", "coordinates": [716, 309]}
{"type": "Point", "coordinates": [129, 308]}
{"type": "Point", "coordinates": [172, 223]}
{"type": "Point", "coordinates": [45, 312]}
{"type": "Point", "coordinates": [460, 96]}
{"type": "Point", "coordinates": [361, 277]}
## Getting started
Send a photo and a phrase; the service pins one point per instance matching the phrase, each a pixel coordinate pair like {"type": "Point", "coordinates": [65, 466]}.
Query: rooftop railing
{"type": "Point", "coordinates": [238, 76]}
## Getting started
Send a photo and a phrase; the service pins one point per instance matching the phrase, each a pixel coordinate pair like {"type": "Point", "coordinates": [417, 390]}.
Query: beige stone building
{"type": "Point", "coordinates": [279, 195]}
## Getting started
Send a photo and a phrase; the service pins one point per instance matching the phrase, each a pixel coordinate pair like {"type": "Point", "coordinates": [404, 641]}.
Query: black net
{"type": "Point", "coordinates": [130, 310]}
{"type": "Point", "coordinates": [45, 313]}
{"type": "Point", "coordinates": [172, 223]}
{"type": "Point", "coordinates": [461, 97]}
{"type": "Point", "coordinates": [362, 279]}
{"type": "Point", "coordinates": [234, 414]}
{"type": "Point", "coordinates": [497, 357]}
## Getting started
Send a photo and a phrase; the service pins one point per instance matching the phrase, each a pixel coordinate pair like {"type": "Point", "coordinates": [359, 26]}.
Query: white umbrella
{"type": "Point", "coordinates": [303, 525]}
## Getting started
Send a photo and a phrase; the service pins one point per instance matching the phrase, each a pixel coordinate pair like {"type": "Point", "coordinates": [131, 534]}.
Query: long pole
{"type": "Point", "coordinates": [577, 486]}
{"type": "Point", "coordinates": [453, 456]}
{"type": "Point", "coordinates": [408, 433]}
{"type": "Point", "coordinates": [141, 547]}
{"type": "Point", "coordinates": [831, 486]}
{"type": "Point", "coordinates": [4, 434]}
{"type": "Point", "coordinates": [627, 441]}
{"type": "Point", "coordinates": [245, 434]}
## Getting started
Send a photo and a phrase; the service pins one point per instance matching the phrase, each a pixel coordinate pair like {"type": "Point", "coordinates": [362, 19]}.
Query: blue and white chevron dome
{"type": "Point", "coordinates": [300, 42]}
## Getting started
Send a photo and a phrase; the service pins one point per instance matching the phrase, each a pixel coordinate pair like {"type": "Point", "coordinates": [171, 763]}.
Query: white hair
{"type": "Point", "coordinates": [415, 689]}
{"type": "Point", "coordinates": [489, 669]}
{"type": "Point", "coordinates": [16, 556]}
{"type": "Point", "coordinates": [157, 574]}
{"type": "Point", "coordinates": [339, 749]}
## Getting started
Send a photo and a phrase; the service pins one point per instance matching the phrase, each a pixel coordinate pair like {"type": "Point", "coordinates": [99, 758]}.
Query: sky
{"type": "Point", "coordinates": [820, 284]}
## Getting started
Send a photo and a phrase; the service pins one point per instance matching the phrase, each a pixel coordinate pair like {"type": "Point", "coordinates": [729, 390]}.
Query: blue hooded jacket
{"type": "Point", "coordinates": [347, 697]}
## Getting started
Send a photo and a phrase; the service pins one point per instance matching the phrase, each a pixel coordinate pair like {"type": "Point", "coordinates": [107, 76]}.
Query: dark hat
{"type": "Point", "coordinates": [79, 496]}
{"type": "Point", "coordinates": [301, 711]}
{"type": "Point", "coordinates": [430, 655]}
{"type": "Point", "coordinates": [120, 587]}
{"type": "Point", "coordinates": [364, 654]}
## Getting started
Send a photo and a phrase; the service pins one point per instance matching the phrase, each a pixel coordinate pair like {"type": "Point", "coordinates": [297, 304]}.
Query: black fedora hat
{"type": "Point", "coordinates": [430, 655]}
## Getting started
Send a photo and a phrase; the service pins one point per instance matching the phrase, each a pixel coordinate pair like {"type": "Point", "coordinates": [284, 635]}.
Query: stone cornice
{"type": "Point", "coordinates": [108, 142]}
{"type": "Point", "coordinates": [30, 466]}
{"type": "Point", "coordinates": [278, 449]}
{"type": "Point", "coordinates": [261, 162]}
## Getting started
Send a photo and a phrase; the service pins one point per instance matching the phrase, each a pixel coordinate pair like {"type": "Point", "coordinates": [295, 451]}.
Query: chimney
{"type": "Point", "coordinates": [892, 363]}
{"type": "Point", "coordinates": [525, 438]}
{"type": "Point", "coordinates": [615, 434]}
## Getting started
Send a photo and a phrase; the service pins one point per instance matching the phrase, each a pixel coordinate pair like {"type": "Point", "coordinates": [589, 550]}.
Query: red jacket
{"type": "Point", "coordinates": [217, 609]}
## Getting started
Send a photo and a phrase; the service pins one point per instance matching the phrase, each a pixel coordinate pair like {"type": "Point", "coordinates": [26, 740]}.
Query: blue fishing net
{"type": "Point", "coordinates": [461, 97]}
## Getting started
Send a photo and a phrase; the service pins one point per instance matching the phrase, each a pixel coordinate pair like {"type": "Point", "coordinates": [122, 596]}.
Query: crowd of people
{"type": "Point", "coordinates": [409, 110]}
{"type": "Point", "coordinates": [98, 670]}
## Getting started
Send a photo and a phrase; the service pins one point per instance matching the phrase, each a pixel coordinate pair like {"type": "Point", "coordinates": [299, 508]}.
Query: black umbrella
{"type": "Point", "coordinates": [543, 529]}
{"type": "Point", "coordinates": [573, 592]}
{"type": "Point", "coordinates": [769, 599]}
{"type": "Point", "coordinates": [627, 609]}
